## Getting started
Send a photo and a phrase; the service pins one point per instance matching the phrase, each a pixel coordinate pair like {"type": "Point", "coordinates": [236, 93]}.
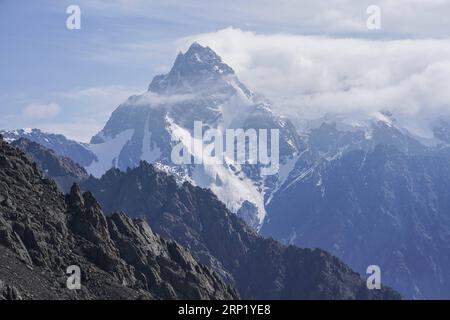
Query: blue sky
{"type": "Point", "coordinates": [69, 81]}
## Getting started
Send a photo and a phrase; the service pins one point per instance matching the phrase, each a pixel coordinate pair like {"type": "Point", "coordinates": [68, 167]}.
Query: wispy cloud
{"type": "Point", "coordinates": [154, 100]}
{"type": "Point", "coordinates": [41, 111]}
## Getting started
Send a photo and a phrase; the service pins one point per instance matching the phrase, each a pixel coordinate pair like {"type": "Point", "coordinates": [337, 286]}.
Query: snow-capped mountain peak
{"type": "Point", "coordinates": [199, 87]}
{"type": "Point", "coordinates": [198, 67]}
{"type": "Point", "coordinates": [148, 127]}
{"type": "Point", "coordinates": [198, 58]}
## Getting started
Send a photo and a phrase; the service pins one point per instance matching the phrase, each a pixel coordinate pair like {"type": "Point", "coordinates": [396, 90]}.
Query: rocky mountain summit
{"type": "Point", "coordinates": [199, 87]}
{"type": "Point", "coordinates": [43, 232]}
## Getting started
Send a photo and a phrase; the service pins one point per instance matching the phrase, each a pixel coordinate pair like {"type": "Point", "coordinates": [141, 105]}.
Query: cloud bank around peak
{"type": "Point", "coordinates": [310, 76]}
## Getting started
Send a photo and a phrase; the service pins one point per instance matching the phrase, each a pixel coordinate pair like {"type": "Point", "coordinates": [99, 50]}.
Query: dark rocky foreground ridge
{"type": "Point", "coordinates": [42, 232]}
{"type": "Point", "coordinates": [259, 268]}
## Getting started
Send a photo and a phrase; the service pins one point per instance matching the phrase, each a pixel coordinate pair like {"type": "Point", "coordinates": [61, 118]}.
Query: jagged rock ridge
{"type": "Point", "coordinates": [42, 232]}
{"type": "Point", "coordinates": [194, 217]}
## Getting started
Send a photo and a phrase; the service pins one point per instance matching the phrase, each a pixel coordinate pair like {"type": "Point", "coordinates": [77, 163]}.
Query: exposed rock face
{"type": "Point", "coordinates": [371, 193]}
{"type": "Point", "coordinates": [194, 217]}
{"type": "Point", "coordinates": [380, 207]}
{"type": "Point", "coordinates": [63, 170]}
{"type": "Point", "coordinates": [42, 233]}
{"type": "Point", "coordinates": [8, 292]}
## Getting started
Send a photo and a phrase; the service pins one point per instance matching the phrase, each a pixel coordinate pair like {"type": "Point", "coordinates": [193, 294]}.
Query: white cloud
{"type": "Point", "coordinates": [155, 100]}
{"type": "Point", "coordinates": [41, 111]}
{"type": "Point", "coordinates": [309, 76]}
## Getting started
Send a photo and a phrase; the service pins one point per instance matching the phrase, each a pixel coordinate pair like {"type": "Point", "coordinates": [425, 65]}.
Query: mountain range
{"type": "Point", "coordinates": [43, 232]}
{"type": "Point", "coordinates": [365, 188]}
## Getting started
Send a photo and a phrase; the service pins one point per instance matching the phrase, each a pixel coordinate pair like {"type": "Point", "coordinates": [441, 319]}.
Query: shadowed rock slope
{"type": "Point", "coordinates": [42, 232]}
{"type": "Point", "coordinates": [259, 268]}
{"type": "Point", "coordinates": [63, 170]}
